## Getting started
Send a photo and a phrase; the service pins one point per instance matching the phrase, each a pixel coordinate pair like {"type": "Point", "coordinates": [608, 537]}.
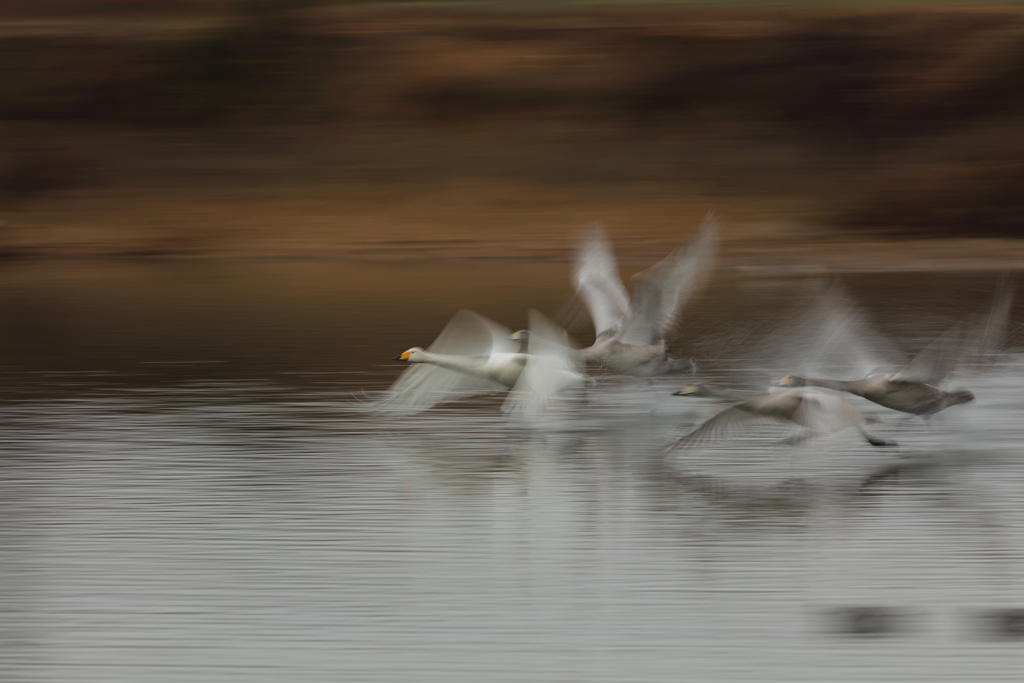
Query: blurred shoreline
{"type": "Point", "coordinates": [849, 139]}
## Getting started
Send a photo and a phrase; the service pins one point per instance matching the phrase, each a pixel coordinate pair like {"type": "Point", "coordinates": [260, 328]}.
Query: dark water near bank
{"type": "Point", "coordinates": [189, 491]}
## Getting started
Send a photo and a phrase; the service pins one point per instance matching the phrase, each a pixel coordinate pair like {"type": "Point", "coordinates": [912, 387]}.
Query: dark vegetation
{"type": "Point", "coordinates": [260, 64]}
{"type": "Point", "coordinates": [930, 103]}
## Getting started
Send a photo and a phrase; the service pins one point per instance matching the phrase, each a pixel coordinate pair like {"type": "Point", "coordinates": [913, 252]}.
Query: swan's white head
{"type": "Point", "coordinates": [413, 355]}
{"type": "Point", "coordinates": [790, 381]}
{"type": "Point", "coordinates": [689, 390]}
{"type": "Point", "coordinates": [520, 335]}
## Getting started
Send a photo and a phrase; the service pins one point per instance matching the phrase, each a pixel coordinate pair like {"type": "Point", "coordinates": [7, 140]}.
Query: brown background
{"type": "Point", "coordinates": [832, 138]}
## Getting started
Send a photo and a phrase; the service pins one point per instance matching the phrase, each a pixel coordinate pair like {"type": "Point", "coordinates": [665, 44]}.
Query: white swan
{"type": "Point", "coordinates": [630, 334]}
{"type": "Point", "coordinates": [473, 355]}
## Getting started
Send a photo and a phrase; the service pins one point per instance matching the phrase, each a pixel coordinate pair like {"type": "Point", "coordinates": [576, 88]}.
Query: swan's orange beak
{"type": "Point", "coordinates": [403, 356]}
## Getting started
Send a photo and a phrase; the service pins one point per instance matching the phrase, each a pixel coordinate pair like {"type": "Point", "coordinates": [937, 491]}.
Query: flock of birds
{"type": "Point", "coordinates": [473, 354]}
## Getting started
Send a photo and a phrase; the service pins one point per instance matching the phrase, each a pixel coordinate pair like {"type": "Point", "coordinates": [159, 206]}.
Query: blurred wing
{"type": "Point", "coordinates": [830, 335]}
{"type": "Point", "coordinates": [976, 340]}
{"type": "Point", "coordinates": [936, 360]}
{"type": "Point", "coordinates": [551, 368]}
{"type": "Point", "coordinates": [721, 425]}
{"type": "Point", "coordinates": [548, 340]}
{"type": "Point", "coordinates": [597, 281]}
{"type": "Point", "coordinates": [846, 341]}
{"type": "Point", "coordinates": [826, 413]}
{"type": "Point", "coordinates": [663, 289]}
{"type": "Point", "coordinates": [423, 386]}
{"type": "Point", "coordinates": [988, 333]}
{"type": "Point", "coordinates": [471, 334]}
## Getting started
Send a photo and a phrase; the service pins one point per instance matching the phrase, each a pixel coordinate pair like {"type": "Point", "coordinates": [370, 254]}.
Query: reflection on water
{"type": "Point", "coordinates": [186, 493]}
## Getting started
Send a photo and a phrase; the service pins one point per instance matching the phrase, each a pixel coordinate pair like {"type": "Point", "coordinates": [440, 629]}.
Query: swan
{"type": "Point", "coordinates": [898, 391]}
{"type": "Point", "coordinates": [914, 388]}
{"type": "Point", "coordinates": [819, 412]}
{"type": "Point", "coordinates": [631, 332]}
{"type": "Point", "coordinates": [473, 355]}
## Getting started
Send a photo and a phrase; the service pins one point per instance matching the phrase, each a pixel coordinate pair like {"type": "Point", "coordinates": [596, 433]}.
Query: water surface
{"type": "Point", "coordinates": [188, 491]}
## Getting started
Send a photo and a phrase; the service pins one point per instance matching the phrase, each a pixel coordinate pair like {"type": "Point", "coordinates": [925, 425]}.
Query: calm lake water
{"type": "Point", "coordinates": [191, 490]}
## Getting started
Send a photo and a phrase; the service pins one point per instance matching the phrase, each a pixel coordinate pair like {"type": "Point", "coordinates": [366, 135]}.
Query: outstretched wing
{"type": "Point", "coordinates": [976, 340]}
{"type": "Point", "coordinates": [422, 386]}
{"type": "Point", "coordinates": [988, 332]}
{"type": "Point", "coordinates": [663, 289]}
{"type": "Point", "coordinates": [822, 412]}
{"type": "Point", "coordinates": [826, 334]}
{"type": "Point", "coordinates": [816, 411]}
{"type": "Point", "coordinates": [937, 360]}
{"type": "Point", "coordinates": [842, 340]}
{"type": "Point", "coordinates": [597, 281]}
{"type": "Point", "coordinates": [721, 425]}
{"type": "Point", "coordinates": [471, 334]}
{"type": "Point", "coordinates": [552, 367]}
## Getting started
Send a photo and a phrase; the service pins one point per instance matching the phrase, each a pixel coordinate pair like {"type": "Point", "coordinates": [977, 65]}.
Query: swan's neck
{"type": "Point", "coordinates": [836, 384]}
{"type": "Point", "coordinates": [716, 392]}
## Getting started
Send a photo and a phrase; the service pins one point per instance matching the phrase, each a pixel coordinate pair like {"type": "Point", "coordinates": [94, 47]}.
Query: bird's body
{"type": "Point", "coordinates": [818, 412]}
{"type": "Point", "coordinates": [636, 360]}
{"type": "Point", "coordinates": [630, 332]}
{"type": "Point", "coordinates": [914, 388]}
{"type": "Point", "coordinates": [644, 361]}
{"type": "Point", "coordinates": [473, 355]}
{"type": "Point", "coordinates": [501, 369]}
{"type": "Point", "coordinates": [890, 391]}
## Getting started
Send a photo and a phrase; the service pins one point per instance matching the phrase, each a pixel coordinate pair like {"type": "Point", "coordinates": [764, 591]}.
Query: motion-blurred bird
{"type": "Point", "coordinates": [899, 391]}
{"type": "Point", "coordinates": [818, 412]}
{"type": "Point", "coordinates": [914, 388]}
{"type": "Point", "coordinates": [473, 355]}
{"type": "Point", "coordinates": [631, 332]}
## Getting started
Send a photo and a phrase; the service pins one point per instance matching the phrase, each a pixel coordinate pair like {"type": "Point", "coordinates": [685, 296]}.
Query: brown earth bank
{"type": "Point", "coordinates": [837, 140]}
